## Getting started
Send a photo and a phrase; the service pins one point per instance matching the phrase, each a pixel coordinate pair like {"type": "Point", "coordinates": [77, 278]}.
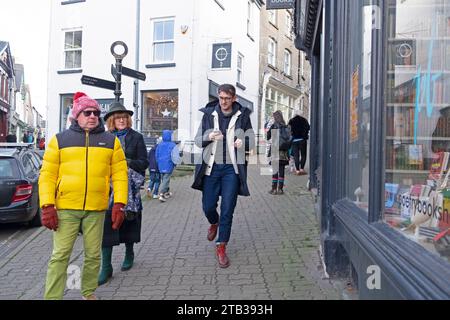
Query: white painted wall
{"type": "Point", "coordinates": [105, 21]}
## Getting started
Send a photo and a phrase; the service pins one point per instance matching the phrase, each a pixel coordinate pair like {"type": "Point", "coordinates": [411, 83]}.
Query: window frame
{"type": "Point", "coordinates": [164, 41]}
{"type": "Point", "coordinates": [287, 53]}
{"type": "Point", "coordinates": [288, 24]}
{"type": "Point", "coordinates": [273, 61]}
{"type": "Point", "coordinates": [272, 17]}
{"type": "Point", "coordinates": [65, 50]}
{"type": "Point", "coordinates": [240, 70]}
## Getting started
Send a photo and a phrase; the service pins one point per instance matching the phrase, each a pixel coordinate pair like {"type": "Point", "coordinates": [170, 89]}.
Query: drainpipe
{"type": "Point", "coordinates": [137, 124]}
{"type": "Point", "coordinates": [265, 81]}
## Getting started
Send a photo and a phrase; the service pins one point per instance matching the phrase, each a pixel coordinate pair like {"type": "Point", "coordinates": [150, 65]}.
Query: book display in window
{"type": "Point", "coordinates": [417, 126]}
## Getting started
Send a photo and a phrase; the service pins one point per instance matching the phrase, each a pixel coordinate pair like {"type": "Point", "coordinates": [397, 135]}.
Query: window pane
{"type": "Point", "coordinates": [168, 30]}
{"type": "Point", "coordinates": [359, 52]}
{"type": "Point", "coordinates": [158, 52]}
{"type": "Point", "coordinates": [77, 41]}
{"type": "Point", "coordinates": [68, 41]}
{"type": "Point", "coordinates": [77, 59]}
{"type": "Point", "coordinates": [168, 51]}
{"type": "Point", "coordinates": [158, 33]}
{"type": "Point", "coordinates": [418, 120]}
{"type": "Point", "coordinates": [70, 56]}
{"type": "Point", "coordinates": [160, 112]}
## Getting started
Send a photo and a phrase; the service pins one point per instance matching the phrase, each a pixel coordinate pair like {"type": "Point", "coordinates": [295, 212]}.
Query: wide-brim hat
{"type": "Point", "coordinates": [117, 107]}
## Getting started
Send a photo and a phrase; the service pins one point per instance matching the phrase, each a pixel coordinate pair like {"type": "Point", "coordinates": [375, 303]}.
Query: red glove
{"type": "Point", "coordinates": [118, 215]}
{"type": "Point", "coordinates": [49, 217]}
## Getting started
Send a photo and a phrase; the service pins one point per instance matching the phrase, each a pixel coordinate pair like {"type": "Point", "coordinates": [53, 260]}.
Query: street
{"type": "Point", "coordinates": [274, 252]}
{"type": "Point", "coordinates": [11, 235]}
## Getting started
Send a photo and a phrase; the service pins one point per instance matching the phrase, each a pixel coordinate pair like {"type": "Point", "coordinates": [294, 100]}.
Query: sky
{"type": "Point", "coordinates": [25, 25]}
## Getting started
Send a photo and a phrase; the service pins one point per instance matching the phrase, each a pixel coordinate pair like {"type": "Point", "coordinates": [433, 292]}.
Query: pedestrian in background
{"type": "Point", "coordinates": [167, 157]}
{"type": "Point", "coordinates": [279, 155]}
{"type": "Point", "coordinates": [154, 175]}
{"type": "Point", "coordinates": [226, 136]}
{"type": "Point", "coordinates": [118, 120]}
{"type": "Point", "coordinates": [73, 193]}
{"type": "Point", "coordinates": [300, 134]}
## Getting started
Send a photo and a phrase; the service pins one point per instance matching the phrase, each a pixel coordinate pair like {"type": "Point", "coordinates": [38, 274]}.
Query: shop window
{"type": "Point", "coordinates": [359, 99]}
{"type": "Point", "coordinates": [277, 100]}
{"type": "Point", "coordinates": [417, 188]}
{"type": "Point", "coordinates": [66, 105]}
{"type": "Point", "coordinates": [160, 112]}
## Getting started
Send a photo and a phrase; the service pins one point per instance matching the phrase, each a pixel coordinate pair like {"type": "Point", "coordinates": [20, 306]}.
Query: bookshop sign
{"type": "Point", "coordinates": [280, 4]}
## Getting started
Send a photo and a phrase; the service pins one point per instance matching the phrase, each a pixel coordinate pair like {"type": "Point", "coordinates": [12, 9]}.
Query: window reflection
{"type": "Point", "coordinates": [417, 121]}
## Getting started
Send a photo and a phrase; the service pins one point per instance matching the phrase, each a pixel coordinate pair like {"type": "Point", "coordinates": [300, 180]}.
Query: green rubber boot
{"type": "Point", "coordinates": [107, 269]}
{"type": "Point", "coordinates": [129, 257]}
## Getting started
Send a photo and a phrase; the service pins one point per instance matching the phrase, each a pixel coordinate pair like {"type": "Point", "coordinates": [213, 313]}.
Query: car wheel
{"type": "Point", "coordinates": [36, 221]}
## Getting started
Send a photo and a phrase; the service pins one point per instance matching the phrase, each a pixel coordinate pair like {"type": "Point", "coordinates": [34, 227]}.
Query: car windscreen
{"type": "Point", "coordinates": [8, 168]}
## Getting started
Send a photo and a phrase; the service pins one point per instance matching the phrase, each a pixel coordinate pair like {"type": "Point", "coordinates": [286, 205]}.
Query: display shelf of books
{"type": "Point", "coordinates": [417, 127]}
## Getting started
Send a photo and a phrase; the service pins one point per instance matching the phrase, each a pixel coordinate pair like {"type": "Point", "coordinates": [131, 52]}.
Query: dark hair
{"type": "Point", "coordinates": [278, 117]}
{"type": "Point", "coordinates": [227, 88]}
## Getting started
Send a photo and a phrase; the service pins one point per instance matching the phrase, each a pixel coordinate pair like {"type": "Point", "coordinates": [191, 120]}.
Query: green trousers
{"type": "Point", "coordinates": [69, 222]}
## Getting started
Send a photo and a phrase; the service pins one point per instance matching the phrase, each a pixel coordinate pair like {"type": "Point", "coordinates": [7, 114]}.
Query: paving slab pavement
{"type": "Point", "coordinates": [274, 252]}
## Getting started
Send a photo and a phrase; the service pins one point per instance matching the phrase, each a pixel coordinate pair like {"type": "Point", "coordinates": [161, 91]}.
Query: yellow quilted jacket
{"type": "Point", "coordinates": [78, 167]}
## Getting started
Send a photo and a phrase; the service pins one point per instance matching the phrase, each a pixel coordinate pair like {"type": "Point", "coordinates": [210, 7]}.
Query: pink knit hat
{"type": "Point", "coordinates": [81, 102]}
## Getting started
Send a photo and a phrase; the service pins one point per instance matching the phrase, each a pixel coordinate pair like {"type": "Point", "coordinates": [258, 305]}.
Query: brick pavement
{"type": "Point", "coordinates": [274, 251]}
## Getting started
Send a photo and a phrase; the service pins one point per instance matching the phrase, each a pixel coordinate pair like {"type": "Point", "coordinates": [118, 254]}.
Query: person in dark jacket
{"type": "Point", "coordinates": [279, 158]}
{"type": "Point", "coordinates": [155, 176]}
{"type": "Point", "coordinates": [226, 136]}
{"type": "Point", "coordinates": [167, 157]}
{"type": "Point", "coordinates": [118, 121]}
{"type": "Point", "coordinates": [300, 134]}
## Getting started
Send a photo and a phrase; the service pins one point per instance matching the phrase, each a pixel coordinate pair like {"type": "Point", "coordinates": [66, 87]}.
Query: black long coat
{"type": "Point", "coordinates": [130, 231]}
{"type": "Point", "coordinates": [243, 123]}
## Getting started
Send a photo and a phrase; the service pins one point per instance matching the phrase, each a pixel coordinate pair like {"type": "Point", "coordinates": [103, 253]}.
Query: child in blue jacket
{"type": "Point", "coordinates": [167, 157]}
{"type": "Point", "coordinates": [155, 179]}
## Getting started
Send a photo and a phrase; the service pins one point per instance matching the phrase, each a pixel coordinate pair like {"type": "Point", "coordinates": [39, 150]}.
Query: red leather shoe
{"type": "Point", "coordinates": [212, 231]}
{"type": "Point", "coordinates": [222, 258]}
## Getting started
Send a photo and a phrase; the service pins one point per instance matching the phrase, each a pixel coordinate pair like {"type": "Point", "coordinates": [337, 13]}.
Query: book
{"type": "Point", "coordinates": [439, 165]}
{"type": "Point", "coordinates": [391, 190]}
{"type": "Point", "coordinates": [415, 155]}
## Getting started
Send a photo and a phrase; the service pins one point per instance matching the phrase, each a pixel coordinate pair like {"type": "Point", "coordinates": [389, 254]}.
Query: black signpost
{"type": "Point", "coordinates": [96, 82]}
{"type": "Point", "coordinates": [117, 71]}
{"type": "Point", "coordinates": [133, 73]}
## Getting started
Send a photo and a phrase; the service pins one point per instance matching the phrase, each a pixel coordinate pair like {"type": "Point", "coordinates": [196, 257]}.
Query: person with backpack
{"type": "Point", "coordinates": [167, 156]}
{"type": "Point", "coordinates": [155, 177]}
{"type": "Point", "coordinates": [279, 133]}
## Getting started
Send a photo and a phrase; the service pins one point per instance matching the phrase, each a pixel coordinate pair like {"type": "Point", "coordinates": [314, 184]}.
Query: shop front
{"type": "Point", "coordinates": [380, 141]}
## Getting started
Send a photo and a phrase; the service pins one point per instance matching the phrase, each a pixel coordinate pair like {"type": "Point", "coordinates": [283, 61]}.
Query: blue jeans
{"type": "Point", "coordinates": [165, 180]}
{"type": "Point", "coordinates": [224, 182]}
{"type": "Point", "coordinates": [154, 182]}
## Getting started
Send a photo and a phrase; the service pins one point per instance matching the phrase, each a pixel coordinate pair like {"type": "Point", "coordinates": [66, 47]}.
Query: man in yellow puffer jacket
{"type": "Point", "coordinates": [74, 187]}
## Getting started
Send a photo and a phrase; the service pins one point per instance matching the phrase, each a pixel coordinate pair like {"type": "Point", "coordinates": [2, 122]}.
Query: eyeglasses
{"type": "Point", "coordinates": [89, 112]}
{"type": "Point", "coordinates": [225, 98]}
{"type": "Point", "coordinates": [123, 117]}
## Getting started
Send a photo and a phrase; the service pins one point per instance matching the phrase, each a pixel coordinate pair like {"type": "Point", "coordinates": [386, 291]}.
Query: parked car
{"type": "Point", "coordinates": [19, 174]}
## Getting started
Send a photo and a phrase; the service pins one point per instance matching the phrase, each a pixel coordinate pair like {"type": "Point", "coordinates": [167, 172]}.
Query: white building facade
{"type": "Point", "coordinates": [186, 49]}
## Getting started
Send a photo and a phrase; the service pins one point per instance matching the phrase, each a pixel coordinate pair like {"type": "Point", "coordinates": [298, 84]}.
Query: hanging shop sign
{"type": "Point", "coordinates": [280, 4]}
